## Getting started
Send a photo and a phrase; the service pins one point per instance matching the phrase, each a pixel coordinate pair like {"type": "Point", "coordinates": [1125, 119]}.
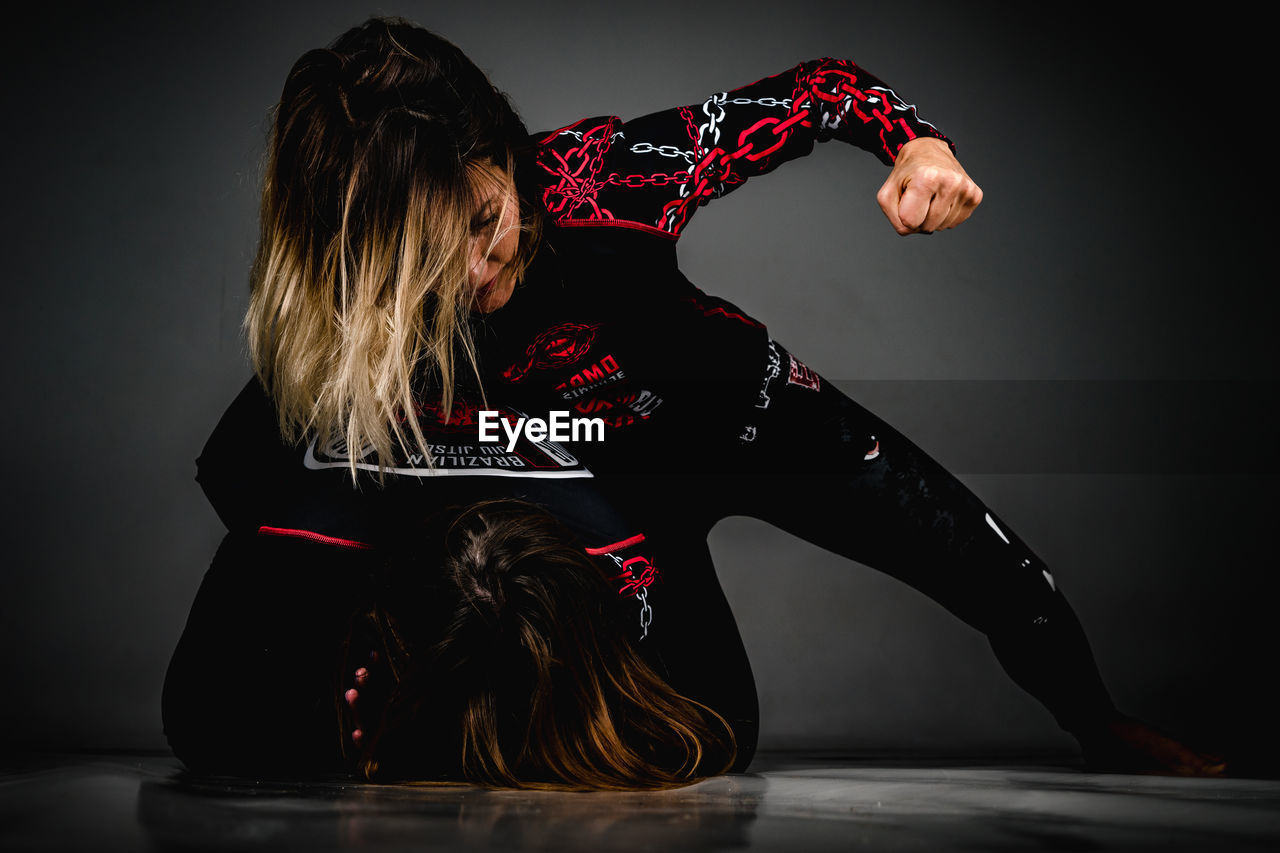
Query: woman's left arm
{"type": "Point", "coordinates": [654, 172]}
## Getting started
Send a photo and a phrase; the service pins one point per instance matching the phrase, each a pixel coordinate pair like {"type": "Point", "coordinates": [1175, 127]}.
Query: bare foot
{"type": "Point", "coordinates": [1130, 745]}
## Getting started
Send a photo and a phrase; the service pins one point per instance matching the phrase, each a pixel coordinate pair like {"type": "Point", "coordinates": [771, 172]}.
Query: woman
{"type": "Point", "coordinates": [421, 254]}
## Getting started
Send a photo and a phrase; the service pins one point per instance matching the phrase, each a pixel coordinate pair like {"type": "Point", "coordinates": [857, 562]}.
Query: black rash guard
{"type": "Point", "coordinates": [605, 325]}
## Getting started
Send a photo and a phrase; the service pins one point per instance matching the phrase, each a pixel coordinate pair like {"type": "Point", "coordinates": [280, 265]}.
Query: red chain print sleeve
{"type": "Point", "coordinates": [653, 172]}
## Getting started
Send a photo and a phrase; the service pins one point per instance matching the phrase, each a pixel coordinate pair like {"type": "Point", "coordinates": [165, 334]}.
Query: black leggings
{"type": "Point", "coordinates": [814, 463]}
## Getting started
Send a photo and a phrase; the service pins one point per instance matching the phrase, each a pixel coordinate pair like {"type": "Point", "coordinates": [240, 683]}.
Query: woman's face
{"type": "Point", "coordinates": [495, 239]}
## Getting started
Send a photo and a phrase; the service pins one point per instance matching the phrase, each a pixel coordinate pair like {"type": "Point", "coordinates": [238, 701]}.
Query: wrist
{"type": "Point", "coordinates": [923, 144]}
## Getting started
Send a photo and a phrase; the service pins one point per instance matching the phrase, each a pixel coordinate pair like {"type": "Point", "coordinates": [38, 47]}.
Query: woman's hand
{"type": "Point", "coordinates": [928, 190]}
{"type": "Point", "coordinates": [1129, 745]}
{"type": "Point", "coordinates": [365, 700]}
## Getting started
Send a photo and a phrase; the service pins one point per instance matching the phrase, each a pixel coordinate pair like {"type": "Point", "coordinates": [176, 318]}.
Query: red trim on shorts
{"type": "Point", "coordinates": [312, 536]}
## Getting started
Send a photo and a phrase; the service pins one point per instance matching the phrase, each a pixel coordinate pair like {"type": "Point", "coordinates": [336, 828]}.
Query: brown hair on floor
{"type": "Point", "coordinates": [502, 665]}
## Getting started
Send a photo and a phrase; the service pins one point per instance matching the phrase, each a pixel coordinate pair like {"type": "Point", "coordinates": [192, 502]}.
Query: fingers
{"type": "Point", "coordinates": [889, 198]}
{"type": "Point", "coordinates": [353, 699]}
{"type": "Point", "coordinates": [928, 190]}
{"type": "Point", "coordinates": [915, 206]}
{"type": "Point", "coordinates": [366, 699]}
{"type": "Point", "coordinates": [353, 696]}
{"type": "Point", "coordinates": [967, 198]}
{"type": "Point", "coordinates": [931, 200]}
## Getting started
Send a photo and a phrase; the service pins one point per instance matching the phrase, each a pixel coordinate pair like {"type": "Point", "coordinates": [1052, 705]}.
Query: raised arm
{"type": "Point", "coordinates": [654, 172]}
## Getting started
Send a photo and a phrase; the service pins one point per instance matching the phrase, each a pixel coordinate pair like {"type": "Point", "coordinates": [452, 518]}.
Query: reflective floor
{"type": "Point", "coordinates": [790, 803]}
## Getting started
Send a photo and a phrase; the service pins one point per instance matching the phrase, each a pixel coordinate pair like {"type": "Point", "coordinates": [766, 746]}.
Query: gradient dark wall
{"type": "Point", "coordinates": [1093, 352]}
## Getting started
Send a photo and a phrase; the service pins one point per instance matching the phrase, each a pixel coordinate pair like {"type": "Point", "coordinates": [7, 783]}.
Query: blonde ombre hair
{"type": "Point", "coordinates": [382, 148]}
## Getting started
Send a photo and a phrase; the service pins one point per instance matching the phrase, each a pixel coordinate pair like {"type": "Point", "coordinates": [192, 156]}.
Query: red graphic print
{"type": "Point", "coordinates": [556, 347]}
{"type": "Point", "coordinates": [802, 376]}
{"type": "Point", "coordinates": [637, 573]}
{"type": "Point", "coordinates": [653, 173]}
{"type": "Point", "coordinates": [592, 374]}
{"type": "Point", "coordinates": [720, 310]}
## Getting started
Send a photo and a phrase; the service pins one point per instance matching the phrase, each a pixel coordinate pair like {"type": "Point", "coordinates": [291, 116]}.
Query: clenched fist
{"type": "Point", "coordinates": [928, 190]}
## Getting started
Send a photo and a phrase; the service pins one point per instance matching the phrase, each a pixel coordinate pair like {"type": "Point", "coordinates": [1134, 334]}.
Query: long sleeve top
{"type": "Point", "coordinates": [605, 325]}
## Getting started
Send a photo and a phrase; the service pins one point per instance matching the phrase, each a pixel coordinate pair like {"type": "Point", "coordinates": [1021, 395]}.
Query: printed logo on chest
{"type": "Point", "coordinates": [559, 346]}
{"type": "Point", "coordinates": [603, 372]}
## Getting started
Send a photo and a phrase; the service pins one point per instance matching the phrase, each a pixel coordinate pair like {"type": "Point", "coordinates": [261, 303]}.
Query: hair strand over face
{"type": "Point", "coordinates": [360, 300]}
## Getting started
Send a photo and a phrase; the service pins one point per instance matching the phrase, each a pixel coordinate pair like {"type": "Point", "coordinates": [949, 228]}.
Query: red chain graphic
{"type": "Point", "coordinates": [637, 573]}
{"type": "Point", "coordinates": [556, 347]}
{"type": "Point", "coordinates": [746, 132]}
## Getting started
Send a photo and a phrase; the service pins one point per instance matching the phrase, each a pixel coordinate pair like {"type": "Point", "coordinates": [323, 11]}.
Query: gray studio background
{"type": "Point", "coordinates": [1093, 352]}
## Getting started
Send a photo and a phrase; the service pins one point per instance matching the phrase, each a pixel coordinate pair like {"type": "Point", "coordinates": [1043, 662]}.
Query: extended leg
{"type": "Point", "coordinates": [818, 465]}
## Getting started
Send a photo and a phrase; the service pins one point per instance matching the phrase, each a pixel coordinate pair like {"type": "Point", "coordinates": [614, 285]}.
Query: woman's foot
{"type": "Point", "coordinates": [1129, 745]}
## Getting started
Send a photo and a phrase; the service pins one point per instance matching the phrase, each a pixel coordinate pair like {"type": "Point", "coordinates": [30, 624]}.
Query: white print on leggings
{"type": "Point", "coordinates": [797, 374]}
{"type": "Point", "coordinates": [991, 522]}
{"type": "Point", "coordinates": [771, 372]}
